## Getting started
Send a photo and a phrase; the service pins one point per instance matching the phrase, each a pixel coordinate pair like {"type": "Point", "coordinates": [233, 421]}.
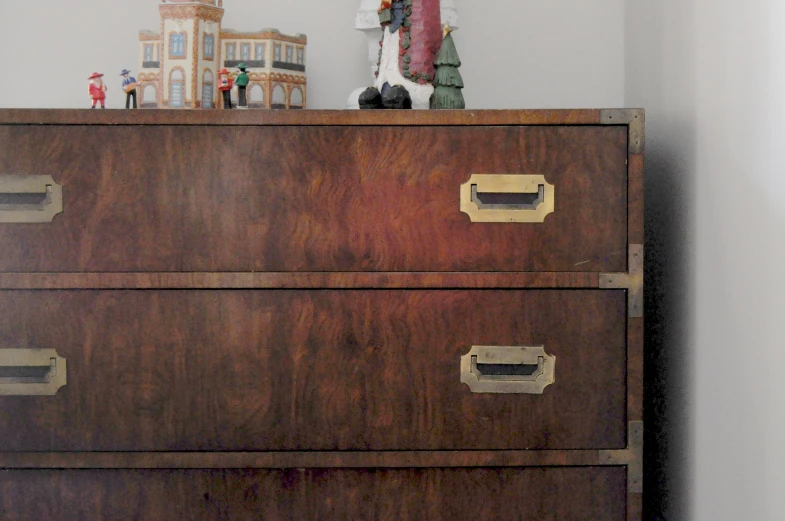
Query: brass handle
{"type": "Point", "coordinates": [500, 198]}
{"type": "Point", "coordinates": [508, 369]}
{"type": "Point", "coordinates": [31, 372]}
{"type": "Point", "coordinates": [29, 198]}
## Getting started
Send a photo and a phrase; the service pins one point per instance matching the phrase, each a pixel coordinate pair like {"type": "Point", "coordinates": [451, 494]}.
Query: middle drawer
{"type": "Point", "coordinates": [285, 370]}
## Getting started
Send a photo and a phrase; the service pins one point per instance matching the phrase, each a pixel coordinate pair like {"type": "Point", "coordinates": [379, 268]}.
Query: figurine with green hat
{"type": "Point", "coordinates": [242, 81]}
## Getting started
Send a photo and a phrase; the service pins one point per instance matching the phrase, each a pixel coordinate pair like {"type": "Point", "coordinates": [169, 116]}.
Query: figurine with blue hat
{"type": "Point", "coordinates": [129, 87]}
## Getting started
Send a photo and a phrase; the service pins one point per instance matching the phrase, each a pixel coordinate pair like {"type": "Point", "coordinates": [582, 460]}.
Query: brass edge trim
{"type": "Point", "coordinates": [43, 184]}
{"type": "Point", "coordinates": [508, 183]}
{"type": "Point", "coordinates": [632, 457]}
{"type": "Point", "coordinates": [57, 378]}
{"type": "Point", "coordinates": [509, 355]}
{"type": "Point", "coordinates": [635, 119]}
{"type": "Point", "coordinates": [632, 281]}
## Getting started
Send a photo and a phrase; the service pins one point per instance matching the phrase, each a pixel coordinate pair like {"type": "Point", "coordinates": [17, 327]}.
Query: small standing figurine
{"type": "Point", "coordinates": [97, 89]}
{"type": "Point", "coordinates": [242, 81]}
{"type": "Point", "coordinates": [226, 88]}
{"type": "Point", "coordinates": [129, 87]}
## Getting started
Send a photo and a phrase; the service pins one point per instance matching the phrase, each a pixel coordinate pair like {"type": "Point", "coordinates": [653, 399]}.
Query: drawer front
{"type": "Point", "coordinates": [545, 494]}
{"type": "Point", "coordinates": [312, 370]}
{"type": "Point", "coordinates": [337, 198]}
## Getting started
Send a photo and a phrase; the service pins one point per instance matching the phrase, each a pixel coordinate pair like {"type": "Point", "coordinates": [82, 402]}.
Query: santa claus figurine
{"type": "Point", "coordinates": [97, 89]}
{"type": "Point", "coordinates": [411, 41]}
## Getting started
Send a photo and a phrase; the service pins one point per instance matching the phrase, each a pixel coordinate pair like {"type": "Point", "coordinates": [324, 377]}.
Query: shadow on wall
{"type": "Point", "coordinates": [668, 359]}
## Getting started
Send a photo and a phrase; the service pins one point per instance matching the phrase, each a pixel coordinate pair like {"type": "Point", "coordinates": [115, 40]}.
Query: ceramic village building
{"type": "Point", "coordinates": [179, 66]}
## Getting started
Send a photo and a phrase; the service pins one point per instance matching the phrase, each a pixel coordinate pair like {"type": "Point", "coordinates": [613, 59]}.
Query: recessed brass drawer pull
{"type": "Point", "coordinates": [513, 369]}
{"type": "Point", "coordinates": [507, 198]}
{"type": "Point", "coordinates": [31, 372]}
{"type": "Point", "coordinates": [29, 198]}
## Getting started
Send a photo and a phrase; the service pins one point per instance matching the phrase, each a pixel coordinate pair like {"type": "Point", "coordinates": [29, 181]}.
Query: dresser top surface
{"type": "Point", "coordinates": [296, 118]}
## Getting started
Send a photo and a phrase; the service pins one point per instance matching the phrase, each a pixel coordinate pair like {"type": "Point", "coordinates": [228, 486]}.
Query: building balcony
{"type": "Point", "coordinates": [151, 65]}
{"type": "Point", "coordinates": [288, 66]}
{"type": "Point", "coordinates": [252, 64]}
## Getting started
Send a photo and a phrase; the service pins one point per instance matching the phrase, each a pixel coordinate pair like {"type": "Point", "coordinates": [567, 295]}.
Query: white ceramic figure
{"type": "Point", "coordinates": [367, 21]}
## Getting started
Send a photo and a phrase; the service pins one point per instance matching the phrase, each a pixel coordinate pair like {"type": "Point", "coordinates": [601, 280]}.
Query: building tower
{"type": "Point", "coordinates": [190, 52]}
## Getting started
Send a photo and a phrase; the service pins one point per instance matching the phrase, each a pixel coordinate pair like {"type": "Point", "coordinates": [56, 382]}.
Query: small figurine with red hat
{"type": "Point", "coordinates": [226, 88]}
{"type": "Point", "coordinates": [97, 89]}
{"type": "Point", "coordinates": [129, 87]}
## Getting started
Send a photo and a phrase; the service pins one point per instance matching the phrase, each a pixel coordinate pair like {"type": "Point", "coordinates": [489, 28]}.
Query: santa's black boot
{"type": "Point", "coordinates": [371, 98]}
{"type": "Point", "coordinates": [396, 97]}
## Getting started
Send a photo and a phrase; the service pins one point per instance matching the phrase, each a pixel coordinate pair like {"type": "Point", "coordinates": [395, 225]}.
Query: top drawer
{"type": "Point", "coordinates": [286, 198]}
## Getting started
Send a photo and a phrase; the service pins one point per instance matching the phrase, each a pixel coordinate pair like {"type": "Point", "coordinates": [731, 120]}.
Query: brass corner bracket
{"type": "Point", "coordinates": [635, 119]}
{"type": "Point", "coordinates": [632, 457]}
{"type": "Point", "coordinates": [632, 281]}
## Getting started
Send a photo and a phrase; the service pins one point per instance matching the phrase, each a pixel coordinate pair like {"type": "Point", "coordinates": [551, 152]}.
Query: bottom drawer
{"type": "Point", "coordinates": [554, 493]}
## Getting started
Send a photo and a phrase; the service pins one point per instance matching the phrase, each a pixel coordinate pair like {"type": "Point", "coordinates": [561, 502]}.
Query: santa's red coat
{"type": "Point", "coordinates": [426, 39]}
{"type": "Point", "coordinates": [97, 91]}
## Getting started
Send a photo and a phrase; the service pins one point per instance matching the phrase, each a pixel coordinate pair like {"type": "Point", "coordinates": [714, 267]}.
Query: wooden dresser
{"type": "Point", "coordinates": [321, 315]}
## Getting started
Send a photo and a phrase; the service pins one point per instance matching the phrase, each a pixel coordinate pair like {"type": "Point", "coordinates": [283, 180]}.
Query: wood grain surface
{"type": "Point", "coordinates": [289, 199]}
{"type": "Point", "coordinates": [302, 280]}
{"type": "Point", "coordinates": [301, 459]}
{"type": "Point", "coordinates": [312, 370]}
{"type": "Point", "coordinates": [299, 118]}
{"type": "Point", "coordinates": [636, 203]}
{"type": "Point", "coordinates": [545, 494]}
{"type": "Point", "coordinates": [275, 303]}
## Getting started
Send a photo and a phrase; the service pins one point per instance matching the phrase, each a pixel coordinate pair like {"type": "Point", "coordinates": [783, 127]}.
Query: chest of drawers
{"type": "Point", "coordinates": [321, 315]}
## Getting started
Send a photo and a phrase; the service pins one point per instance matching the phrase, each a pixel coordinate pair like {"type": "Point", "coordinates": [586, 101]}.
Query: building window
{"type": "Point", "coordinates": [277, 56]}
{"type": "Point", "coordinates": [300, 56]}
{"type": "Point", "coordinates": [177, 45]}
{"type": "Point", "coordinates": [289, 54]}
{"type": "Point", "coordinates": [150, 60]}
{"type": "Point", "coordinates": [149, 97]}
{"type": "Point", "coordinates": [279, 98]}
{"type": "Point", "coordinates": [260, 51]}
{"type": "Point", "coordinates": [209, 46]}
{"type": "Point", "coordinates": [207, 90]}
{"type": "Point", "coordinates": [245, 52]}
{"type": "Point", "coordinates": [296, 98]}
{"type": "Point", "coordinates": [176, 88]}
{"type": "Point", "coordinates": [256, 97]}
{"type": "Point", "coordinates": [230, 51]}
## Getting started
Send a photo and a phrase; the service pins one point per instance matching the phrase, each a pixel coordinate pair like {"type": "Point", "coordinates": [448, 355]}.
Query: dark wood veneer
{"type": "Point", "coordinates": [243, 287]}
{"type": "Point", "coordinates": [311, 118]}
{"type": "Point", "coordinates": [545, 494]}
{"type": "Point", "coordinates": [267, 198]}
{"type": "Point", "coordinates": [301, 459]}
{"type": "Point", "coordinates": [303, 280]}
{"type": "Point", "coordinates": [312, 370]}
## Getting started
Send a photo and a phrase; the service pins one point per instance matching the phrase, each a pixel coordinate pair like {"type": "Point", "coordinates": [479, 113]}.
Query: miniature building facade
{"type": "Point", "coordinates": [179, 66]}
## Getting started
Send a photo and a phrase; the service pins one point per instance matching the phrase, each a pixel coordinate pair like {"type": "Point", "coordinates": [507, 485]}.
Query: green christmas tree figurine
{"type": "Point", "coordinates": [448, 82]}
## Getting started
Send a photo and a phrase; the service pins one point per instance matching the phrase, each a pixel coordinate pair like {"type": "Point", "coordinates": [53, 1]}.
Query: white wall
{"type": "Point", "coordinates": [560, 53]}
{"type": "Point", "coordinates": [710, 73]}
